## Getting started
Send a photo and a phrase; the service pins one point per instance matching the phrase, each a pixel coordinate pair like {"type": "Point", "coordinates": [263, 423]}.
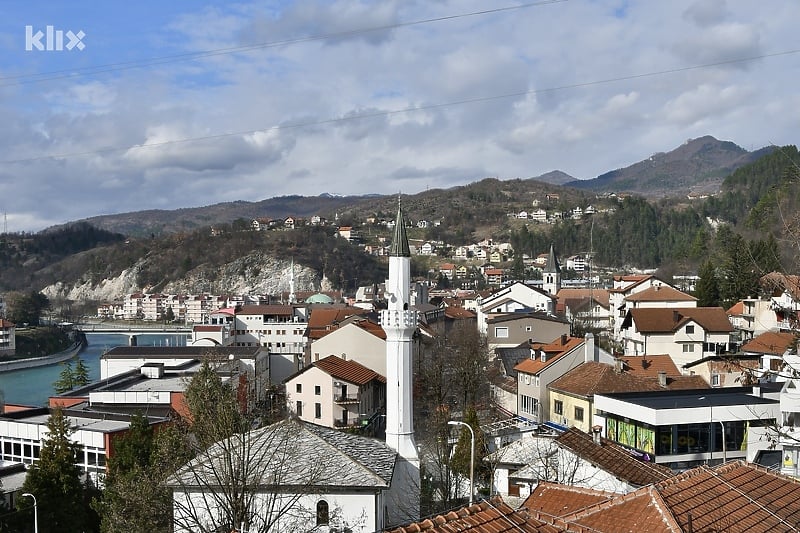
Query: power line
{"type": "Point", "coordinates": [191, 56]}
{"type": "Point", "coordinates": [428, 107]}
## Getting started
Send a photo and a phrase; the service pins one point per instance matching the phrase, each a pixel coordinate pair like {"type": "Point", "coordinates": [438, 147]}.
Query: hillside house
{"type": "Point", "coordinates": [684, 333]}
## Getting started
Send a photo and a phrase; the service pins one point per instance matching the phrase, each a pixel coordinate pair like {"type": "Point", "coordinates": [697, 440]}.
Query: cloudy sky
{"type": "Point", "coordinates": [189, 103]}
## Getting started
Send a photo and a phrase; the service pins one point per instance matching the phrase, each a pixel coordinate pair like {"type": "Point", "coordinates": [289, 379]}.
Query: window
{"type": "Point", "coordinates": [579, 414]}
{"type": "Point", "coordinates": [529, 405]}
{"type": "Point", "coordinates": [317, 390]}
{"type": "Point", "coordinates": [558, 407]}
{"type": "Point", "coordinates": [317, 410]}
{"type": "Point", "coordinates": [715, 380]}
{"type": "Point", "coordinates": [501, 333]}
{"type": "Point", "coordinates": [688, 348]}
{"type": "Point", "coordinates": [299, 408]}
{"type": "Point", "coordinates": [299, 388]}
{"type": "Point", "coordinates": [690, 329]}
{"type": "Point", "coordinates": [322, 513]}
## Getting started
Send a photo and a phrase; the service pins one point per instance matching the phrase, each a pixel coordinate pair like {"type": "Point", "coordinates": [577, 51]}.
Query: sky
{"type": "Point", "coordinates": [163, 105]}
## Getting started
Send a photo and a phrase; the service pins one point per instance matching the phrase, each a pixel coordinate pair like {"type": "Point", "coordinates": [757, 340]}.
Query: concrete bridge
{"type": "Point", "coordinates": [135, 330]}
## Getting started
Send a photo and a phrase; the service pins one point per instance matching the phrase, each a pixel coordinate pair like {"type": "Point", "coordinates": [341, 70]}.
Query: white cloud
{"type": "Point", "coordinates": [564, 57]}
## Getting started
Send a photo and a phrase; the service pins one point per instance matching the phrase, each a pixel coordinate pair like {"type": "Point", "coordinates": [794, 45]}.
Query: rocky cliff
{"type": "Point", "coordinates": [255, 273]}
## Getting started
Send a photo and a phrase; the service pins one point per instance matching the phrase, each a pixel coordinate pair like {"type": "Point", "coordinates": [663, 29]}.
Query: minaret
{"type": "Point", "coordinates": [292, 297]}
{"type": "Point", "coordinates": [399, 322]}
{"type": "Point", "coordinates": [552, 274]}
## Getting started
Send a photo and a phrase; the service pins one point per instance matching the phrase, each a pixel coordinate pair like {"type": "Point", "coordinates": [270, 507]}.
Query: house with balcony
{"type": "Point", "coordinates": [623, 287]}
{"type": "Point", "coordinates": [683, 429]}
{"type": "Point", "coordinates": [585, 306]}
{"type": "Point", "coordinates": [684, 333]}
{"type": "Point", "coordinates": [751, 317]}
{"type": "Point", "coordinates": [337, 393]}
{"type": "Point", "coordinates": [771, 348]}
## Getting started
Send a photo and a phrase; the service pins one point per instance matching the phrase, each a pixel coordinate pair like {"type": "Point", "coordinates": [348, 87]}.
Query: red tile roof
{"type": "Point", "coordinates": [660, 293]}
{"type": "Point", "coordinates": [670, 319]}
{"type": "Point", "coordinates": [5, 323]}
{"type": "Point", "coordinates": [349, 371]}
{"type": "Point", "coordinates": [560, 500]}
{"type": "Point", "coordinates": [265, 310]}
{"type": "Point", "coordinates": [599, 295]}
{"type": "Point", "coordinates": [734, 497]}
{"type": "Point", "coordinates": [736, 309]}
{"type": "Point", "coordinates": [777, 282]}
{"type": "Point", "coordinates": [650, 365]}
{"type": "Point", "coordinates": [590, 378]}
{"type": "Point", "coordinates": [770, 343]}
{"type": "Point", "coordinates": [554, 351]}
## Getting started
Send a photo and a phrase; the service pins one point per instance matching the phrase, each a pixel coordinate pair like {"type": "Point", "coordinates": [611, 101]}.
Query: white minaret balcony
{"type": "Point", "coordinates": [398, 319]}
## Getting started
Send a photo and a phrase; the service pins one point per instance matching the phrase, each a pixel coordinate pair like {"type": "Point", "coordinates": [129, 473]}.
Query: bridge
{"type": "Point", "coordinates": [134, 329]}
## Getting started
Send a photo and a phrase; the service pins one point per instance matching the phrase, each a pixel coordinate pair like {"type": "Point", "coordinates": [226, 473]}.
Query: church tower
{"type": "Point", "coordinates": [399, 322]}
{"type": "Point", "coordinates": [551, 275]}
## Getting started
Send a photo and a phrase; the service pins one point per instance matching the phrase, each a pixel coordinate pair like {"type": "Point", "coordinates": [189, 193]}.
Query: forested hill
{"type": "Point", "coordinates": [759, 200]}
{"type": "Point", "coordinates": [23, 254]}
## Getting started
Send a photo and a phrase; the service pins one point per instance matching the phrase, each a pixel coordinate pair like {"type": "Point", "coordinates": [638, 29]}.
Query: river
{"type": "Point", "coordinates": [33, 386]}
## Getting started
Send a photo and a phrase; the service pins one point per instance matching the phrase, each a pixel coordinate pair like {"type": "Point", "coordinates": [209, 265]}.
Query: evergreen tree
{"type": "Point", "coordinates": [66, 379]}
{"type": "Point", "coordinates": [55, 480]}
{"type": "Point", "coordinates": [707, 290]}
{"type": "Point", "coordinates": [80, 374]}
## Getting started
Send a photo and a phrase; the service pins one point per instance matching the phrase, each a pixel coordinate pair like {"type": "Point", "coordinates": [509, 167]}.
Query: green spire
{"type": "Point", "coordinates": [399, 247]}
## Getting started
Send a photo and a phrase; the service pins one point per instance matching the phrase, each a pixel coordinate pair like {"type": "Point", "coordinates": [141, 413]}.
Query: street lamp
{"type": "Point", "coordinates": [471, 456]}
{"type": "Point", "coordinates": [35, 512]}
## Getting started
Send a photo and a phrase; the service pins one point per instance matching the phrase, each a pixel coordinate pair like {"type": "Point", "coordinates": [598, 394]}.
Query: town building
{"type": "Point", "coordinates": [8, 344]}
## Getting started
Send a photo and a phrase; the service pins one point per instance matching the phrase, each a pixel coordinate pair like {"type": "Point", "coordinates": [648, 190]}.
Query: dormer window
{"type": "Point", "coordinates": [543, 356]}
{"type": "Point", "coordinates": [689, 329]}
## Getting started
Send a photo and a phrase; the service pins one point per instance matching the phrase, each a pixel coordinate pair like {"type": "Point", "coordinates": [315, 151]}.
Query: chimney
{"type": "Point", "coordinates": [588, 345]}
{"type": "Point", "coordinates": [596, 434]}
{"type": "Point", "coordinates": [619, 365]}
{"type": "Point", "coordinates": [563, 339]}
{"type": "Point", "coordinates": [676, 316]}
{"type": "Point", "coordinates": [662, 379]}
{"type": "Point", "coordinates": [757, 390]}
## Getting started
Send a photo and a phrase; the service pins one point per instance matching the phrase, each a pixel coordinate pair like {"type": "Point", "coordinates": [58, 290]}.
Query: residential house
{"type": "Point", "coordinates": [585, 306]}
{"type": "Point", "coordinates": [685, 333]}
{"type": "Point", "coordinates": [448, 270]}
{"type": "Point", "coordinates": [572, 395]}
{"type": "Point", "coordinates": [623, 287]}
{"type": "Point", "coordinates": [494, 276]}
{"type": "Point", "coordinates": [539, 215]}
{"type": "Point", "coordinates": [336, 393]}
{"type": "Point", "coordinates": [515, 297]}
{"type": "Point", "coordinates": [357, 339]}
{"type": "Point", "coordinates": [726, 370]}
{"type": "Point", "coordinates": [751, 317]}
{"type": "Point", "coordinates": [547, 363]}
{"type": "Point", "coordinates": [7, 337]}
{"type": "Point", "coordinates": [787, 432]}
{"type": "Point", "coordinates": [513, 329]}
{"type": "Point", "coordinates": [785, 298]}
{"type": "Point", "coordinates": [772, 347]}
{"type": "Point", "coordinates": [682, 429]}
{"type": "Point", "coordinates": [496, 256]}
{"type": "Point", "coordinates": [461, 253]}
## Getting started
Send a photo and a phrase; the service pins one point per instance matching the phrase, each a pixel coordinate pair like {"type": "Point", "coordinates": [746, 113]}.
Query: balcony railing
{"type": "Point", "coordinates": [346, 398]}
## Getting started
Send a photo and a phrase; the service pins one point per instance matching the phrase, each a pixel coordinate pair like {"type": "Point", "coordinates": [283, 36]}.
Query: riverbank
{"type": "Point", "coordinates": [45, 360]}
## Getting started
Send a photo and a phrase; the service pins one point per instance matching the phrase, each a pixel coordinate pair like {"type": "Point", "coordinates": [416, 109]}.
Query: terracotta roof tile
{"type": "Point", "coordinates": [349, 371]}
{"type": "Point", "coordinates": [660, 293]}
{"type": "Point", "coordinates": [554, 350]}
{"type": "Point", "coordinates": [770, 343]}
{"type": "Point", "coordinates": [736, 309]}
{"type": "Point", "coordinates": [599, 295]}
{"type": "Point", "coordinates": [669, 319]}
{"type": "Point", "coordinates": [561, 500]}
{"type": "Point", "coordinates": [735, 497]}
{"type": "Point", "coordinates": [265, 310]}
{"type": "Point", "coordinates": [651, 365]}
{"type": "Point", "coordinates": [590, 378]}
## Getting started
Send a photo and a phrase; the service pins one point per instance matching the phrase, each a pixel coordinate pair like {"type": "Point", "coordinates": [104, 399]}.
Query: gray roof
{"type": "Point", "coordinates": [552, 262]}
{"type": "Point", "coordinates": [399, 247]}
{"type": "Point", "coordinates": [293, 453]}
{"type": "Point", "coordinates": [192, 352]}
